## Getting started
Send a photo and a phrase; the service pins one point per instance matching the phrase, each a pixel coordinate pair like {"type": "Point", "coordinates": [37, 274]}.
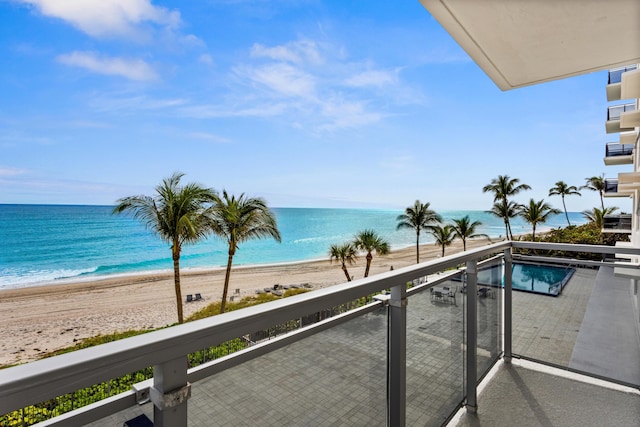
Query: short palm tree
{"type": "Point", "coordinates": [502, 188]}
{"type": "Point", "coordinates": [506, 211]}
{"type": "Point", "coordinates": [562, 189]}
{"type": "Point", "coordinates": [464, 229]}
{"type": "Point", "coordinates": [418, 217]}
{"type": "Point", "coordinates": [370, 241]}
{"type": "Point", "coordinates": [537, 213]}
{"type": "Point", "coordinates": [175, 214]}
{"type": "Point", "coordinates": [444, 235]}
{"type": "Point", "coordinates": [596, 215]}
{"type": "Point", "coordinates": [237, 220]}
{"type": "Point", "coordinates": [345, 254]}
{"type": "Point", "coordinates": [596, 183]}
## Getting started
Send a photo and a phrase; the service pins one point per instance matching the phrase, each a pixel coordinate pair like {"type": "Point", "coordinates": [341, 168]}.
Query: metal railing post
{"type": "Point", "coordinates": [170, 393]}
{"type": "Point", "coordinates": [397, 357]}
{"type": "Point", "coordinates": [508, 321]}
{"type": "Point", "coordinates": [472, 336]}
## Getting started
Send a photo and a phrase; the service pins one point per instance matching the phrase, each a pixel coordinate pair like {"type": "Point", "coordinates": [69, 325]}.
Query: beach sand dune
{"type": "Point", "coordinates": [36, 320]}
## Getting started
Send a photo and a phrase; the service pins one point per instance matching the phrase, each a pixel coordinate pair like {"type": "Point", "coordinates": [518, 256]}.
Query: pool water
{"type": "Point", "coordinates": [540, 279]}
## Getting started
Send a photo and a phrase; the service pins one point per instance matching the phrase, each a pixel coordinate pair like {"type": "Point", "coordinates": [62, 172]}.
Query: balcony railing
{"type": "Point", "coordinates": [615, 74]}
{"type": "Point", "coordinates": [620, 222]}
{"type": "Point", "coordinates": [610, 185]}
{"type": "Point", "coordinates": [401, 359]}
{"type": "Point", "coordinates": [614, 111]}
{"type": "Point", "coordinates": [614, 149]}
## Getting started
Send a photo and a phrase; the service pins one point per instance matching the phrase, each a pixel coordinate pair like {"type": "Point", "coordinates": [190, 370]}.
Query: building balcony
{"type": "Point", "coordinates": [614, 116]}
{"type": "Point", "coordinates": [618, 154]}
{"type": "Point", "coordinates": [399, 358]}
{"type": "Point", "coordinates": [617, 223]}
{"type": "Point", "coordinates": [611, 188]}
{"type": "Point", "coordinates": [630, 86]}
{"type": "Point", "coordinates": [614, 86]}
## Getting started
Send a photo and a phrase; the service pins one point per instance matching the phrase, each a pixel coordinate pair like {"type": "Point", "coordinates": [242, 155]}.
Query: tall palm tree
{"type": "Point", "coordinates": [444, 235]}
{"type": "Point", "coordinates": [537, 213]}
{"type": "Point", "coordinates": [464, 229]}
{"type": "Point", "coordinates": [502, 188]}
{"type": "Point", "coordinates": [237, 220]}
{"type": "Point", "coordinates": [175, 214]}
{"type": "Point", "coordinates": [596, 183]}
{"type": "Point", "coordinates": [369, 241]}
{"type": "Point", "coordinates": [597, 216]}
{"type": "Point", "coordinates": [345, 254]}
{"type": "Point", "coordinates": [562, 189]}
{"type": "Point", "coordinates": [506, 211]}
{"type": "Point", "coordinates": [418, 217]}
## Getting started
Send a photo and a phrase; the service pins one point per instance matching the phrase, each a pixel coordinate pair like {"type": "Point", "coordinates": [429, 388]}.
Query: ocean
{"type": "Point", "coordinates": [42, 244]}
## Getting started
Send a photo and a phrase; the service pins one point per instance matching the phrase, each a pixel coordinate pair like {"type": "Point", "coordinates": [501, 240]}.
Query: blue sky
{"type": "Point", "coordinates": [304, 103]}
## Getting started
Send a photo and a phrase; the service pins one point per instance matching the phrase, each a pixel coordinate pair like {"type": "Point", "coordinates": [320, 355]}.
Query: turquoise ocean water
{"type": "Point", "coordinates": [52, 243]}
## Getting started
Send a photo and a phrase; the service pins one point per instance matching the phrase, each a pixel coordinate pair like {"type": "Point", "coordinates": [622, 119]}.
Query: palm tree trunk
{"type": "Point", "coordinates": [565, 211]}
{"type": "Point", "coordinates": [464, 244]}
{"type": "Point", "coordinates": [176, 283]}
{"type": "Point", "coordinates": [443, 250]}
{"type": "Point", "coordinates": [418, 248]}
{"type": "Point", "coordinates": [346, 273]}
{"type": "Point", "coordinates": [366, 270]}
{"type": "Point", "coordinates": [225, 290]}
{"type": "Point", "coordinates": [510, 231]}
{"type": "Point", "coordinates": [533, 235]}
{"type": "Point", "coordinates": [601, 201]}
{"type": "Point", "coordinates": [506, 228]}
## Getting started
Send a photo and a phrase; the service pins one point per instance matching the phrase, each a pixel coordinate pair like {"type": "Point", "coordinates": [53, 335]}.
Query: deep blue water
{"type": "Point", "coordinates": [45, 243]}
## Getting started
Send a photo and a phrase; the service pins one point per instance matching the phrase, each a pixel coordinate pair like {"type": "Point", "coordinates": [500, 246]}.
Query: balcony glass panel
{"type": "Point", "coordinates": [617, 222]}
{"type": "Point", "coordinates": [614, 111]}
{"type": "Point", "coordinates": [435, 355]}
{"type": "Point", "coordinates": [489, 315]}
{"type": "Point", "coordinates": [615, 75]}
{"type": "Point", "coordinates": [589, 327]}
{"type": "Point", "coordinates": [610, 185]}
{"type": "Point", "coordinates": [615, 149]}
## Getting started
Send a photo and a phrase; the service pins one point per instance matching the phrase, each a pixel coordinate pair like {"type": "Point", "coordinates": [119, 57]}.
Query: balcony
{"type": "Point", "coordinates": [618, 154]}
{"type": "Point", "coordinates": [617, 223]}
{"type": "Point", "coordinates": [611, 188]}
{"type": "Point", "coordinates": [614, 85]}
{"type": "Point", "coordinates": [397, 359]}
{"type": "Point", "coordinates": [614, 116]}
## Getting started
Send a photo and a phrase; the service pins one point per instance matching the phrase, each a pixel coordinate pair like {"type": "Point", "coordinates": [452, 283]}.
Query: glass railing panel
{"type": "Point", "coordinates": [588, 327]}
{"type": "Point", "coordinates": [489, 315]}
{"type": "Point", "coordinates": [337, 376]}
{"type": "Point", "coordinates": [610, 185]}
{"type": "Point", "coordinates": [435, 353]}
{"type": "Point", "coordinates": [614, 111]}
{"type": "Point", "coordinates": [615, 149]}
{"type": "Point", "coordinates": [615, 75]}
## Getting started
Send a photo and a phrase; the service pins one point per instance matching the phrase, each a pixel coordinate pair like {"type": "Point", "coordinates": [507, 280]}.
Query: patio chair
{"type": "Point", "coordinates": [189, 298]}
{"type": "Point", "coordinates": [198, 297]}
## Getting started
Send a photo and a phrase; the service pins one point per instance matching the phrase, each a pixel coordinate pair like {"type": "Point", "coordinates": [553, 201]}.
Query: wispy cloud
{"type": "Point", "coordinates": [108, 18]}
{"type": "Point", "coordinates": [132, 69]}
{"type": "Point", "coordinates": [282, 79]}
{"type": "Point", "coordinates": [106, 103]}
{"type": "Point", "coordinates": [9, 171]}
{"type": "Point", "coordinates": [209, 137]}
{"type": "Point", "coordinates": [373, 78]}
{"type": "Point", "coordinates": [298, 52]}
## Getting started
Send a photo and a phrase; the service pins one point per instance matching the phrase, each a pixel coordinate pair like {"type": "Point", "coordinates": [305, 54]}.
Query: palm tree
{"type": "Point", "coordinates": [595, 183]}
{"type": "Point", "coordinates": [444, 235]}
{"type": "Point", "coordinates": [369, 241]}
{"type": "Point", "coordinates": [537, 213]}
{"type": "Point", "coordinates": [464, 229]}
{"type": "Point", "coordinates": [562, 189]}
{"type": "Point", "coordinates": [345, 254]}
{"type": "Point", "coordinates": [505, 211]}
{"type": "Point", "coordinates": [417, 217]}
{"type": "Point", "coordinates": [596, 215]}
{"type": "Point", "coordinates": [238, 220]}
{"type": "Point", "coordinates": [175, 214]}
{"type": "Point", "coordinates": [502, 188]}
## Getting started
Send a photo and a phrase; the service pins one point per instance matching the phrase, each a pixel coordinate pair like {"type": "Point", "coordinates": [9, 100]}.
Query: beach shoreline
{"type": "Point", "coordinates": [40, 319]}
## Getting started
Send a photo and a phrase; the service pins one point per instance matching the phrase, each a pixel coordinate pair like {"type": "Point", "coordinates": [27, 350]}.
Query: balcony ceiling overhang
{"type": "Point", "coordinates": [522, 43]}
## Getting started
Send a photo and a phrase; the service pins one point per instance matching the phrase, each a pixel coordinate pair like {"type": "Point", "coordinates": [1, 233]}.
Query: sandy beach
{"type": "Point", "coordinates": [40, 319]}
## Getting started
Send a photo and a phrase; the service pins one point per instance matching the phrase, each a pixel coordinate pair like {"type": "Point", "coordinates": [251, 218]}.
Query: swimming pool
{"type": "Point", "coordinates": [536, 278]}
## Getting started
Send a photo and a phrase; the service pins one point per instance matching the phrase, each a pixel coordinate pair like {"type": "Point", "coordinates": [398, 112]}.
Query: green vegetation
{"type": "Point", "coordinates": [596, 183]}
{"type": "Point", "coordinates": [345, 253]}
{"type": "Point", "coordinates": [537, 213]}
{"type": "Point", "coordinates": [444, 235]}
{"type": "Point", "coordinates": [418, 217]}
{"type": "Point", "coordinates": [464, 229]}
{"type": "Point", "coordinates": [175, 214]}
{"type": "Point", "coordinates": [369, 241]}
{"type": "Point", "coordinates": [502, 188]}
{"type": "Point", "coordinates": [237, 220]}
{"type": "Point", "coordinates": [563, 189]}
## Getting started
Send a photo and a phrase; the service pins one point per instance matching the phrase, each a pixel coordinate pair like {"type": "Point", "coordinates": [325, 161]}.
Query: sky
{"type": "Point", "coordinates": [304, 103]}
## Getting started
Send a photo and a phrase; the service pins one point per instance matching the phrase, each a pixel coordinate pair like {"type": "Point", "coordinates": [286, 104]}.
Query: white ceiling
{"type": "Point", "coordinates": [525, 42]}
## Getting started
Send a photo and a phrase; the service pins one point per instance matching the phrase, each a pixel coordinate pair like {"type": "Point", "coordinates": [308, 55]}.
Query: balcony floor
{"type": "Point", "coordinates": [528, 394]}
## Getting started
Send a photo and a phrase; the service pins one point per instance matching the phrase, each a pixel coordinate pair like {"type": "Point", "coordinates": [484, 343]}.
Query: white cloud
{"type": "Point", "coordinates": [284, 79]}
{"type": "Point", "coordinates": [295, 52]}
{"type": "Point", "coordinates": [217, 111]}
{"type": "Point", "coordinates": [106, 18]}
{"type": "Point", "coordinates": [9, 171]}
{"type": "Point", "coordinates": [205, 58]}
{"type": "Point", "coordinates": [373, 78]}
{"type": "Point", "coordinates": [209, 137]}
{"type": "Point", "coordinates": [133, 69]}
